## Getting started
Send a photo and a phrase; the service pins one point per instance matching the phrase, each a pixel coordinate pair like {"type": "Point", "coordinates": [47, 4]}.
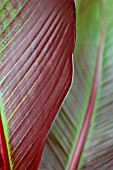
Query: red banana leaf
{"type": "Point", "coordinates": [82, 136]}
{"type": "Point", "coordinates": [36, 49]}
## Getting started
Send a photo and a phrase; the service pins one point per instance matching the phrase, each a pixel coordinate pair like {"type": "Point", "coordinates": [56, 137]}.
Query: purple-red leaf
{"type": "Point", "coordinates": [82, 136]}
{"type": "Point", "coordinates": [37, 43]}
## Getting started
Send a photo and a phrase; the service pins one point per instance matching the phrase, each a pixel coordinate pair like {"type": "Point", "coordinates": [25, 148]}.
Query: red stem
{"type": "Point", "coordinates": [3, 148]}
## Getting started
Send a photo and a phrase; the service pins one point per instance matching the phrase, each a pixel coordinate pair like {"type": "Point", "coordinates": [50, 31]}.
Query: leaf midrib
{"type": "Point", "coordinates": [77, 153]}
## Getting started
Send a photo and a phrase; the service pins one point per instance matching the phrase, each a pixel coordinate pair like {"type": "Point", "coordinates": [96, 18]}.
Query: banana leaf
{"type": "Point", "coordinates": [36, 66]}
{"type": "Point", "coordinates": [82, 136]}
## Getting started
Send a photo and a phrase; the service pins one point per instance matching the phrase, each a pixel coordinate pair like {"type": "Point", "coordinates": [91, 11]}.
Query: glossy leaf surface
{"type": "Point", "coordinates": [36, 47]}
{"type": "Point", "coordinates": [82, 137]}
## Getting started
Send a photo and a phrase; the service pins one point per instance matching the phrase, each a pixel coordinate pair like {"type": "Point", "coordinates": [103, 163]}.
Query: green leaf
{"type": "Point", "coordinates": [82, 136]}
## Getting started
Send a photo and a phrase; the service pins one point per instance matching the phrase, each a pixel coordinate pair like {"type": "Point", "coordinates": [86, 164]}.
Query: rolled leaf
{"type": "Point", "coordinates": [82, 137]}
{"type": "Point", "coordinates": [36, 67]}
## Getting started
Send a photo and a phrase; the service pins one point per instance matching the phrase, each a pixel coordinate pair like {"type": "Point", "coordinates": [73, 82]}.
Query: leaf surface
{"type": "Point", "coordinates": [36, 67]}
{"type": "Point", "coordinates": [82, 137]}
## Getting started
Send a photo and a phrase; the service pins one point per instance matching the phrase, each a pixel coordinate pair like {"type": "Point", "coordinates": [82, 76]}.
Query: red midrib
{"type": "Point", "coordinates": [4, 152]}
{"type": "Point", "coordinates": [85, 127]}
{"type": "Point", "coordinates": [75, 159]}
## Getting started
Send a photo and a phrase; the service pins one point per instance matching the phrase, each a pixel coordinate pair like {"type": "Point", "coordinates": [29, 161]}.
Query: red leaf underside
{"type": "Point", "coordinates": [36, 74]}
